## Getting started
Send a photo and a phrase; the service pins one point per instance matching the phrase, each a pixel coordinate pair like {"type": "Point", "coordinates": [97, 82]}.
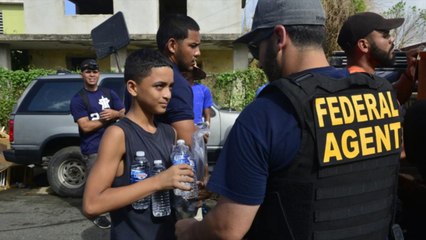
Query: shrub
{"type": "Point", "coordinates": [12, 84]}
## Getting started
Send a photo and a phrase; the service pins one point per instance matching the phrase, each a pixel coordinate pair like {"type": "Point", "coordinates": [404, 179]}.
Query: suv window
{"type": "Point", "coordinates": [50, 96]}
{"type": "Point", "coordinates": [115, 84]}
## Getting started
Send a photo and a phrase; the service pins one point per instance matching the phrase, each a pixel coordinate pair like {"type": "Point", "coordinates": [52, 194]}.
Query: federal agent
{"type": "Point", "coordinates": [315, 156]}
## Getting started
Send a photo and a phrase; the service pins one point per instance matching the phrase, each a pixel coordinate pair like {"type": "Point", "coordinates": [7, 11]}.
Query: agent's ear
{"type": "Point", "coordinates": [281, 36]}
{"type": "Point", "coordinates": [171, 45]}
{"type": "Point", "coordinates": [132, 87]}
{"type": "Point", "coordinates": [363, 45]}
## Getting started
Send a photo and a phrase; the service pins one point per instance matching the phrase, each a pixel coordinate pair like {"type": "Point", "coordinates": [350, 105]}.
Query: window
{"type": "Point", "coordinates": [171, 7]}
{"type": "Point", "coordinates": [93, 6]}
{"type": "Point", "coordinates": [51, 96]}
{"type": "Point", "coordinates": [1, 22]}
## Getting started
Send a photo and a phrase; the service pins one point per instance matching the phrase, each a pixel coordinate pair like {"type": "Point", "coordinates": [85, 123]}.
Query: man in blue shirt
{"type": "Point", "coordinates": [286, 37]}
{"type": "Point", "coordinates": [179, 39]}
{"type": "Point", "coordinates": [94, 109]}
{"type": "Point", "coordinates": [202, 97]}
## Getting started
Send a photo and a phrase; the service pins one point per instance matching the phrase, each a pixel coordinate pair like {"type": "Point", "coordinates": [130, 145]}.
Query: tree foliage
{"type": "Point", "coordinates": [413, 29]}
{"type": "Point", "coordinates": [337, 11]}
{"type": "Point", "coordinates": [12, 84]}
{"type": "Point", "coordinates": [236, 89]}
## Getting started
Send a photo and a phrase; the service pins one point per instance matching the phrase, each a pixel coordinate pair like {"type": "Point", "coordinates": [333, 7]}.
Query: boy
{"type": "Point", "coordinates": [149, 78]}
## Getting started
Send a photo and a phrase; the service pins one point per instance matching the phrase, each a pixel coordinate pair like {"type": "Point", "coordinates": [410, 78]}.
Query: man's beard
{"type": "Point", "coordinates": [384, 59]}
{"type": "Point", "coordinates": [270, 65]}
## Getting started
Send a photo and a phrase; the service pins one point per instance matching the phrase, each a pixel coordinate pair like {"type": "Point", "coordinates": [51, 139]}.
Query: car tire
{"type": "Point", "coordinates": [66, 172]}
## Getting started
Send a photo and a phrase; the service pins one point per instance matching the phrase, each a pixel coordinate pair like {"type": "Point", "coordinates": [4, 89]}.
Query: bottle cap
{"type": "Point", "coordinates": [140, 154]}
{"type": "Point", "coordinates": [158, 162]}
{"type": "Point", "coordinates": [180, 142]}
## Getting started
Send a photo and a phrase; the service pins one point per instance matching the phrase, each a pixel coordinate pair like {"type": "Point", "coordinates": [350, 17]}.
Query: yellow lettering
{"type": "Point", "coordinates": [350, 148]}
{"type": "Point", "coordinates": [371, 104]}
{"type": "Point", "coordinates": [382, 138]}
{"type": "Point", "coordinates": [331, 149]}
{"type": "Point", "coordinates": [366, 140]}
{"type": "Point", "coordinates": [347, 109]}
{"type": "Point", "coordinates": [335, 121]}
{"type": "Point", "coordinates": [395, 128]}
{"type": "Point", "coordinates": [359, 106]}
{"type": "Point", "coordinates": [395, 112]}
{"type": "Point", "coordinates": [321, 112]}
{"type": "Point", "coordinates": [384, 106]}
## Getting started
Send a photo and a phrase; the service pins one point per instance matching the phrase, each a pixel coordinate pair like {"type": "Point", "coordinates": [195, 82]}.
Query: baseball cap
{"type": "Point", "coordinates": [270, 13]}
{"type": "Point", "coordinates": [89, 64]}
{"type": "Point", "coordinates": [198, 73]}
{"type": "Point", "coordinates": [361, 24]}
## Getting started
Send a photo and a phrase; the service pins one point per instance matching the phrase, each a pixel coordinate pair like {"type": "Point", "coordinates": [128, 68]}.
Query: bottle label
{"type": "Point", "coordinates": [180, 159]}
{"type": "Point", "coordinates": [137, 175]}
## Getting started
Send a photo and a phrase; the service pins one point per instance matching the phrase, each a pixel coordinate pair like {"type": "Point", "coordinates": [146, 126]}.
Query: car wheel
{"type": "Point", "coordinates": [66, 172]}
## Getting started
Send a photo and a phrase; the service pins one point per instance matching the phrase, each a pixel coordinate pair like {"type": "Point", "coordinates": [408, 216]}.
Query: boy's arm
{"type": "Point", "coordinates": [99, 197]}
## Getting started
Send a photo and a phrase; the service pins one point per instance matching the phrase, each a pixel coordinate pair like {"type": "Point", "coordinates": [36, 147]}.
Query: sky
{"type": "Point", "coordinates": [382, 5]}
{"type": "Point", "coordinates": [69, 8]}
{"type": "Point", "coordinates": [378, 6]}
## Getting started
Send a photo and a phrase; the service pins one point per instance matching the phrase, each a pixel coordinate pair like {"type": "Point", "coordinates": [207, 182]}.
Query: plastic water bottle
{"type": "Point", "coordinates": [193, 193]}
{"type": "Point", "coordinates": [180, 155]}
{"type": "Point", "coordinates": [140, 171]}
{"type": "Point", "coordinates": [160, 199]}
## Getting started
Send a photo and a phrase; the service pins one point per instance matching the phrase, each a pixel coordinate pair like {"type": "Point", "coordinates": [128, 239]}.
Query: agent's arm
{"type": "Point", "coordinates": [227, 220]}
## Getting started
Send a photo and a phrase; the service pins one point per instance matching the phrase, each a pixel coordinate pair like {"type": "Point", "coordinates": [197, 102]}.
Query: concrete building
{"type": "Point", "coordinates": [52, 39]}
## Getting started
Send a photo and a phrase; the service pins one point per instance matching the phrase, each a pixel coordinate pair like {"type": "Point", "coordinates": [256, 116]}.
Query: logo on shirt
{"type": "Point", "coordinates": [104, 102]}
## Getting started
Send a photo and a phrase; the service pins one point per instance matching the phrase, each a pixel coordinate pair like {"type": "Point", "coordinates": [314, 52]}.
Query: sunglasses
{"type": "Point", "coordinates": [91, 71]}
{"type": "Point", "coordinates": [261, 35]}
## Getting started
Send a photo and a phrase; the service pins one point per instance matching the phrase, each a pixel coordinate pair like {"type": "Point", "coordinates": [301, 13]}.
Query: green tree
{"type": "Point", "coordinates": [337, 12]}
{"type": "Point", "coordinates": [12, 84]}
{"type": "Point", "coordinates": [413, 29]}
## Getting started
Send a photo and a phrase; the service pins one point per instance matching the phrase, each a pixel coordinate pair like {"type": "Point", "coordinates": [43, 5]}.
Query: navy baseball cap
{"type": "Point", "coordinates": [90, 64]}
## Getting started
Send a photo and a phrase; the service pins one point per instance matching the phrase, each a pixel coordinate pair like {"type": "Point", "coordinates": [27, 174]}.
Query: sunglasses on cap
{"type": "Point", "coordinates": [261, 35]}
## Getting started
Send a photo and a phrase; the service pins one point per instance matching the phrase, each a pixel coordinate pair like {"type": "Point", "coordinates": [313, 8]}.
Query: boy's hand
{"type": "Point", "coordinates": [175, 177]}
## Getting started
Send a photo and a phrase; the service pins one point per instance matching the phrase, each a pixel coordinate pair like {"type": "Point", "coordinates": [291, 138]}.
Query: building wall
{"type": "Point", "coordinates": [216, 61]}
{"type": "Point", "coordinates": [13, 18]}
{"type": "Point", "coordinates": [57, 59]}
{"type": "Point", "coordinates": [217, 16]}
{"type": "Point", "coordinates": [142, 16]}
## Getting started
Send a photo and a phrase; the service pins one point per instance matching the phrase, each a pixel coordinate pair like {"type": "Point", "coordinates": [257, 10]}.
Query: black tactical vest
{"type": "Point", "coordinates": [342, 182]}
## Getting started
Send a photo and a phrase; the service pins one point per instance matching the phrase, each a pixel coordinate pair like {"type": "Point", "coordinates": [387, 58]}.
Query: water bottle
{"type": "Point", "coordinates": [139, 171]}
{"type": "Point", "coordinates": [193, 193]}
{"type": "Point", "coordinates": [160, 199]}
{"type": "Point", "coordinates": [180, 155]}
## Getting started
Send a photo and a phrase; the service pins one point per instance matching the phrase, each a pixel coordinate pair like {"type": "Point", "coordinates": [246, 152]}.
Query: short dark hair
{"type": "Point", "coordinates": [139, 64]}
{"type": "Point", "coordinates": [175, 26]}
{"type": "Point", "coordinates": [306, 35]}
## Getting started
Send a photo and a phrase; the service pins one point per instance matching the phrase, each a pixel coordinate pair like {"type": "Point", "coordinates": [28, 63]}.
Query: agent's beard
{"type": "Point", "coordinates": [384, 59]}
{"type": "Point", "coordinates": [270, 65]}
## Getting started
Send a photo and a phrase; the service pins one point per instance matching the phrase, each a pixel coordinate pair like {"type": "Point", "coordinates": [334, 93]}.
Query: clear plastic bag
{"type": "Point", "coordinates": [199, 151]}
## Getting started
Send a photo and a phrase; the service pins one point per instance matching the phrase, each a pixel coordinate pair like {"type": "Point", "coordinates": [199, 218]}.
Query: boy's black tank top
{"type": "Point", "coordinates": [128, 223]}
